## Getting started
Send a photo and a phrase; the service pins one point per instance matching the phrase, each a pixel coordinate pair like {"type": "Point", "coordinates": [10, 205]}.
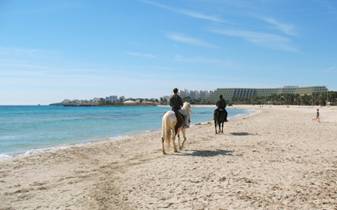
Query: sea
{"type": "Point", "coordinates": [24, 129]}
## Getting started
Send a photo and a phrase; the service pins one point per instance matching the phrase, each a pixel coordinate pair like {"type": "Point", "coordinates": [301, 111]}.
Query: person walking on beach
{"type": "Point", "coordinates": [317, 116]}
{"type": "Point", "coordinates": [176, 103]}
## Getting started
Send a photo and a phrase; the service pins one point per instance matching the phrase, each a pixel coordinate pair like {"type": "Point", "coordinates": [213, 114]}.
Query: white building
{"type": "Point", "coordinates": [112, 99]}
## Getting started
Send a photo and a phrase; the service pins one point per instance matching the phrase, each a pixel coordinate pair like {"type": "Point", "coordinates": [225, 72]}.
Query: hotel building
{"type": "Point", "coordinates": [231, 94]}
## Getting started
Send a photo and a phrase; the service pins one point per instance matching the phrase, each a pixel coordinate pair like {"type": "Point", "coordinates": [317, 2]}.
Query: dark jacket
{"type": "Point", "coordinates": [176, 102]}
{"type": "Point", "coordinates": [221, 104]}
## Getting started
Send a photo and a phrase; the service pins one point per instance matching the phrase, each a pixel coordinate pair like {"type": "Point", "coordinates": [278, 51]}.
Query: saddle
{"type": "Point", "coordinates": [221, 113]}
{"type": "Point", "coordinates": [186, 120]}
{"type": "Point", "coordinates": [180, 120]}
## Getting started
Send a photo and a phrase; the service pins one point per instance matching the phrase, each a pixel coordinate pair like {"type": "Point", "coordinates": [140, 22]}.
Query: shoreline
{"type": "Point", "coordinates": [277, 158]}
{"type": "Point", "coordinates": [134, 134]}
{"type": "Point", "coordinates": [37, 151]}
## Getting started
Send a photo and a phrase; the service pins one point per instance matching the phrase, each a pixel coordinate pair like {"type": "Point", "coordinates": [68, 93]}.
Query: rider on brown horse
{"type": "Point", "coordinates": [220, 114]}
{"type": "Point", "coordinates": [221, 104]}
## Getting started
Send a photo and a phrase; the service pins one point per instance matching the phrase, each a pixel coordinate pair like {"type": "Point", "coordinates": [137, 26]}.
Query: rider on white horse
{"type": "Point", "coordinates": [176, 103]}
{"type": "Point", "coordinates": [176, 121]}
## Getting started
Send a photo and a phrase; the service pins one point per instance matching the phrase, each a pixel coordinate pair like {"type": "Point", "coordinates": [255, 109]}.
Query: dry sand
{"type": "Point", "coordinates": [276, 159]}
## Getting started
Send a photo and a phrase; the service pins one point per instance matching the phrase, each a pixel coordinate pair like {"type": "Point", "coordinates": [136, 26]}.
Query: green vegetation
{"type": "Point", "coordinates": [320, 98]}
{"type": "Point", "coordinates": [291, 99]}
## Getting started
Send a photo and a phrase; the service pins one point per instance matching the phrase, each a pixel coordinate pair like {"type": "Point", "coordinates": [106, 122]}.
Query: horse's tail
{"type": "Point", "coordinates": [163, 133]}
{"type": "Point", "coordinates": [215, 116]}
{"type": "Point", "coordinates": [165, 130]}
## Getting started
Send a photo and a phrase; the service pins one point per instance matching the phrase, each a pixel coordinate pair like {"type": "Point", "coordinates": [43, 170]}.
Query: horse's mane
{"type": "Point", "coordinates": [187, 107]}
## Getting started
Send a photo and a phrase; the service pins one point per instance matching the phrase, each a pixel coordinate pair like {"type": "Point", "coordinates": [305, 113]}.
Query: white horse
{"type": "Point", "coordinates": [169, 122]}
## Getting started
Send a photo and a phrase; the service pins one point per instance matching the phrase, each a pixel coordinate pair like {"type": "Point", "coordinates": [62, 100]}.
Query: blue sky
{"type": "Point", "coordinates": [52, 50]}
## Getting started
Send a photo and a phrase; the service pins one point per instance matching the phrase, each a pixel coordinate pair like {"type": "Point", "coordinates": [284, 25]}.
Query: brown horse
{"type": "Point", "coordinates": [220, 116]}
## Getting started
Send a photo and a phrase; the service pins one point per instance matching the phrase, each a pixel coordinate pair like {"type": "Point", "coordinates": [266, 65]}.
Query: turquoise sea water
{"type": "Point", "coordinates": [23, 128]}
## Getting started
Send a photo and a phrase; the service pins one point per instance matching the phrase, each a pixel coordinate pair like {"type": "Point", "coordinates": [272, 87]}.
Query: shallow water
{"type": "Point", "coordinates": [23, 128]}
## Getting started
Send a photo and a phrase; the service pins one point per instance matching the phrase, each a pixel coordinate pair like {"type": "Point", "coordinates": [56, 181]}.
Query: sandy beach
{"type": "Point", "coordinates": [278, 158]}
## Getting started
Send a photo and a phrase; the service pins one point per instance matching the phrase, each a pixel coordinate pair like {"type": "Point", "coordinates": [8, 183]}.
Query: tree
{"type": "Point", "coordinates": [306, 100]}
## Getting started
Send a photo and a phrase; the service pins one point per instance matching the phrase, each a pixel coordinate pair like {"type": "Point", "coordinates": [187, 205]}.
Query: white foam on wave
{"type": "Point", "coordinates": [42, 150]}
{"type": "Point", "coordinates": [119, 138]}
{"type": "Point", "coordinates": [4, 157]}
{"type": "Point", "coordinates": [34, 151]}
{"type": "Point", "coordinates": [59, 147]}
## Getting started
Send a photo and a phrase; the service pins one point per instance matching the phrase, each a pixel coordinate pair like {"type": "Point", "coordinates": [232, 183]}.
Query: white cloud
{"type": "Point", "coordinates": [186, 12]}
{"type": "Point", "coordinates": [198, 15]}
{"type": "Point", "coordinates": [203, 60]}
{"type": "Point", "coordinates": [141, 55]}
{"type": "Point", "coordinates": [269, 40]}
{"type": "Point", "coordinates": [184, 39]}
{"type": "Point", "coordinates": [285, 28]}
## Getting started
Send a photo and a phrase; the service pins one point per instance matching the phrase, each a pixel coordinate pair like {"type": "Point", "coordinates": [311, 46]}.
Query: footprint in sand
{"type": "Point", "coordinates": [36, 184]}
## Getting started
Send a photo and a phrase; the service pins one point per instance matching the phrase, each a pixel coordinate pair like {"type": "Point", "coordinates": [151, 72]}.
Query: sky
{"type": "Point", "coordinates": [72, 49]}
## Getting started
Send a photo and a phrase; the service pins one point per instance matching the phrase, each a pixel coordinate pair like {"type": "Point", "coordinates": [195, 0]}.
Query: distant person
{"type": "Point", "coordinates": [317, 116]}
{"type": "Point", "coordinates": [176, 103]}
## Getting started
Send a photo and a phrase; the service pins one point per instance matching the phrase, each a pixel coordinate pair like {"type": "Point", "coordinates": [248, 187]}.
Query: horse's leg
{"type": "Point", "coordinates": [162, 145]}
{"type": "Point", "coordinates": [168, 138]}
{"type": "Point", "coordinates": [216, 132]}
{"type": "Point", "coordinates": [222, 127]}
{"type": "Point", "coordinates": [184, 135]}
{"type": "Point", "coordinates": [174, 141]}
{"type": "Point", "coordinates": [179, 137]}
